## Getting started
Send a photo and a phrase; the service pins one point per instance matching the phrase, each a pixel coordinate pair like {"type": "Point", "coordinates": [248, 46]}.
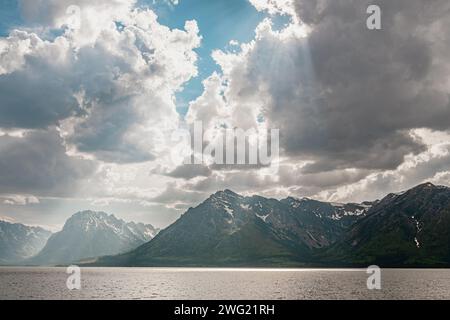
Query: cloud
{"type": "Point", "coordinates": [37, 164]}
{"type": "Point", "coordinates": [291, 176]}
{"type": "Point", "coordinates": [186, 172]}
{"type": "Point", "coordinates": [176, 197]}
{"type": "Point", "coordinates": [342, 95]}
{"type": "Point", "coordinates": [30, 67]}
{"type": "Point", "coordinates": [110, 84]}
{"type": "Point", "coordinates": [210, 108]}
{"type": "Point", "coordinates": [240, 181]}
{"type": "Point", "coordinates": [55, 13]}
{"type": "Point", "coordinates": [7, 219]}
{"type": "Point", "coordinates": [20, 200]}
{"type": "Point", "coordinates": [274, 7]}
{"type": "Point", "coordinates": [431, 165]}
{"type": "Point", "coordinates": [441, 178]}
{"type": "Point", "coordinates": [171, 2]}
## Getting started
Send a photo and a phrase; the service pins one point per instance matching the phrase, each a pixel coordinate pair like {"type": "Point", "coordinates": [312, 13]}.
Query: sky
{"type": "Point", "coordinates": [89, 107]}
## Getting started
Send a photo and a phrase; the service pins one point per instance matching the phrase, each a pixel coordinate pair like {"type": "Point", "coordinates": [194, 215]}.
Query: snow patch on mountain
{"type": "Point", "coordinates": [418, 229]}
{"type": "Point", "coordinates": [263, 217]}
{"type": "Point", "coordinates": [245, 206]}
{"type": "Point", "coordinates": [229, 210]}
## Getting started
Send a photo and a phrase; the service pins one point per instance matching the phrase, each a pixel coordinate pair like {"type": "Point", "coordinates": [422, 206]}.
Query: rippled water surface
{"type": "Point", "coordinates": [218, 284]}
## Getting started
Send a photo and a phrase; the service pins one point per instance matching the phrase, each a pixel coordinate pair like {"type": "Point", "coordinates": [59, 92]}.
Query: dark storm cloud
{"type": "Point", "coordinates": [188, 172]}
{"type": "Point", "coordinates": [174, 195]}
{"type": "Point", "coordinates": [21, 109]}
{"type": "Point", "coordinates": [291, 177]}
{"type": "Point", "coordinates": [37, 164]}
{"type": "Point", "coordinates": [103, 133]}
{"type": "Point", "coordinates": [347, 96]}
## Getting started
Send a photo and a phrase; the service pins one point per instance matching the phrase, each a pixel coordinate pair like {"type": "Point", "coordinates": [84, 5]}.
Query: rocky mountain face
{"type": "Point", "coordinates": [91, 234]}
{"type": "Point", "coordinates": [406, 229]}
{"type": "Point", "coordinates": [229, 229]}
{"type": "Point", "coordinates": [19, 242]}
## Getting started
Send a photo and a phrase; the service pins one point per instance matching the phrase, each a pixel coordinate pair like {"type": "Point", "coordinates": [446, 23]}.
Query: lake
{"type": "Point", "coordinates": [223, 284]}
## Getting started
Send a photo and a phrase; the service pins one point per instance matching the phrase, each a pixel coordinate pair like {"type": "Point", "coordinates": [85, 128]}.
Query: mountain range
{"type": "Point", "coordinates": [408, 229]}
{"type": "Point", "coordinates": [87, 234]}
{"type": "Point", "coordinates": [19, 242]}
{"type": "Point", "coordinates": [91, 234]}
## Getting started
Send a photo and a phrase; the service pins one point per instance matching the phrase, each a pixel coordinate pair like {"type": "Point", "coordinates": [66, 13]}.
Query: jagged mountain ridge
{"type": "Point", "coordinates": [230, 229]}
{"type": "Point", "coordinates": [406, 229]}
{"type": "Point", "coordinates": [19, 242]}
{"type": "Point", "coordinates": [90, 234]}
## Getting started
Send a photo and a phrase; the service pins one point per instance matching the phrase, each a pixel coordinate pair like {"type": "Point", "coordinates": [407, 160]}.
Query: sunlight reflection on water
{"type": "Point", "coordinates": [223, 284]}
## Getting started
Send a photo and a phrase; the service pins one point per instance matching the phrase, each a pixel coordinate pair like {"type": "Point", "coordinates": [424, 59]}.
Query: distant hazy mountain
{"type": "Point", "coordinates": [19, 242]}
{"type": "Point", "coordinates": [407, 229]}
{"type": "Point", "coordinates": [229, 229]}
{"type": "Point", "coordinates": [91, 234]}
